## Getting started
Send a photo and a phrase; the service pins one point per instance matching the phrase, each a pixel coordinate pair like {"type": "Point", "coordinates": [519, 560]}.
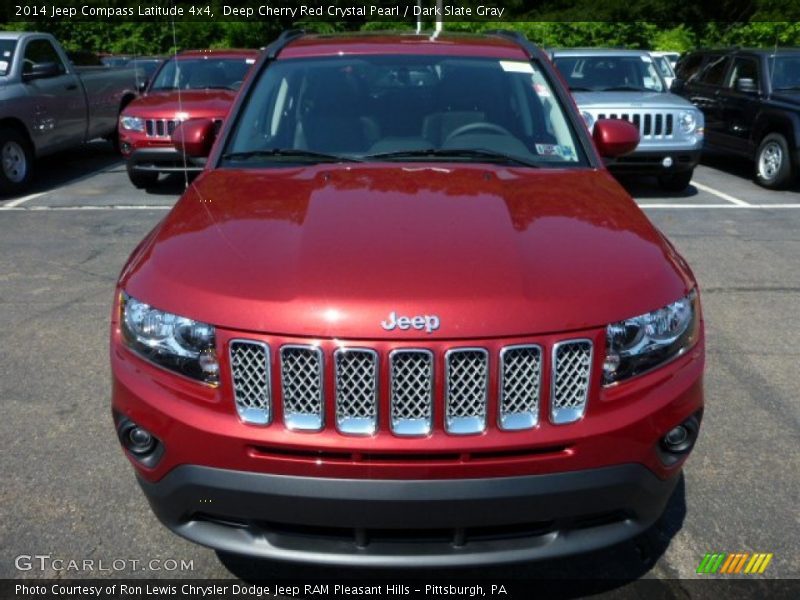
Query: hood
{"type": "Point", "coordinates": [630, 100]}
{"type": "Point", "coordinates": [331, 251]}
{"type": "Point", "coordinates": [198, 103]}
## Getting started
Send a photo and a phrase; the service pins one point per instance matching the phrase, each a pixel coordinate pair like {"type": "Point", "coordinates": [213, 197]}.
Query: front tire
{"type": "Point", "coordinates": [16, 161]}
{"type": "Point", "coordinates": [142, 179]}
{"type": "Point", "coordinates": [675, 182]}
{"type": "Point", "coordinates": [773, 162]}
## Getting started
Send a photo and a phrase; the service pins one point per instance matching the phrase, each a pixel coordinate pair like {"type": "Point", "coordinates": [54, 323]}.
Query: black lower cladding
{"type": "Point", "coordinates": [409, 523]}
{"type": "Point", "coordinates": [652, 162]}
{"type": "Point", "coordinates": [163, 160]}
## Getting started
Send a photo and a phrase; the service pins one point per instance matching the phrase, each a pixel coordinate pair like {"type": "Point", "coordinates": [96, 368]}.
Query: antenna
{"type": "Point", "coordinates": [180, 104]}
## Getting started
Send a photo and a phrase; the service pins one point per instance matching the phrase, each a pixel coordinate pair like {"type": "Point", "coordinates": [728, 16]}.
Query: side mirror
{"type": "Point", "coordinates": [142, 86]}
{"type": "Point", "coordinates": [194, 138]}
{"type": "Point", "coordinates": [42, 70]}
{"type": "Point", "coordinates": [746, 86]}
{"type": "Point", "coordinates": [615, 137]}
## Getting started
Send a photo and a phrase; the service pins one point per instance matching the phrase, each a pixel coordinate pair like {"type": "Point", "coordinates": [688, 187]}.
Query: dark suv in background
{"type": "Point", "coordinates": [751, 102]}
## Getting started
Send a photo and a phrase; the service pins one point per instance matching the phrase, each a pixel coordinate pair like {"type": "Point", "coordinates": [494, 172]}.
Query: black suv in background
{"type": "Point", "coordinates": [751, 102]}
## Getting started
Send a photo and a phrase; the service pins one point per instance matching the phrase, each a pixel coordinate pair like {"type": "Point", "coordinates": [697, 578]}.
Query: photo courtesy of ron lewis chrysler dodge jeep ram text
{"type": "Point", "coordinates": [405, 317]}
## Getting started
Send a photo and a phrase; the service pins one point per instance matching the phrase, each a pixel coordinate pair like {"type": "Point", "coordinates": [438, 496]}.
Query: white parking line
{"type": "Point", "coordinates": [85, 207]}
{"type": "Point", "coordinates": [24, 199]}
{"type": "Point", "coordinates": [719, 194]}
{"type": "Point", "coordinates": [740, 206]}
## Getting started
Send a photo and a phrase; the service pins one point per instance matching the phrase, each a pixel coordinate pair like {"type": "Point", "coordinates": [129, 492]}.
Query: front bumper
{"type": "Point", "coordinates": [162, 160]}
{"type": "Point", "coordinates": [651, 162]}
{"type": "Point", "coordinates": [416, 523]}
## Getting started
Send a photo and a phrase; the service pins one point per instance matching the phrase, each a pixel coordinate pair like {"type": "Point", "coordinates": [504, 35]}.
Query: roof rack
{"type": "Point", "coordinates": [282, 41]}
{"type": "Point", "coordinates": [518, 37]}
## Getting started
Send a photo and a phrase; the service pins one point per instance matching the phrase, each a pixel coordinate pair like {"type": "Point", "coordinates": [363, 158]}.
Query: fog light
{"type": "Point", "coordinates": [667, 162]}
{"type": "Point", "coordinates": [681, 438]}
{"type": "Point", "coordinates": [140, 441]}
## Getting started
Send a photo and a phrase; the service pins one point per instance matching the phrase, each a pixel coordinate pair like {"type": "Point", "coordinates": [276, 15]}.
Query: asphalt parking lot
{"type": "Point", "coordinates": [69, 492]}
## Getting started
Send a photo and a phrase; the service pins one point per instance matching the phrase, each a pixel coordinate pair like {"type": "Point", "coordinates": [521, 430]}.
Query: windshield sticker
{"type": "Point", "coordinates": [250, 61]}
{"type": "Point", "coordinates": [565, 152]}
{"type": "Point", "coordinates": [513, 66]}
{"type": "Point", "coordinates": [3, 65]}
{"type": "Point", "coordinates": [7, 53]}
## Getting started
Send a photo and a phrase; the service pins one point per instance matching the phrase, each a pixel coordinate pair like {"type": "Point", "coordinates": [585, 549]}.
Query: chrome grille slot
{"type": "Point", "coordinates": [411, 391]}
{"type": "Point", "coordinates": [356, 381]}
{"type": "Point", "coordinates": [162, 128]}
{"type": "Point", "coordinates": [572, 365]}
{"type": "Point", "coordinates": [301, 380]}
{"type": "Point", "coordinates": [520, 380]}
{"type": "Point", "coordinates": [250, 372]}
{"type": "Point", "coordinates": [466, 383]}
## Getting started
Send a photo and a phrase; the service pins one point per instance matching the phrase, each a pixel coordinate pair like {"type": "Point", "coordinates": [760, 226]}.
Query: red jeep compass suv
{"type": "Point", "coordinates": [197, 84]}
{"type": "Point", "coordinates": [406, 317]}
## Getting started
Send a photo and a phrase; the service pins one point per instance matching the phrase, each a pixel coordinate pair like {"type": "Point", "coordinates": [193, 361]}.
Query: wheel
{"type": "Point", "coordinates": [16, 161]}
{"type": "Point", "coordinates": [675, 182]}
{"type": "Point", "coordinates": [142, 179]}
{"type": "Point", "coordinates": [773, 162]}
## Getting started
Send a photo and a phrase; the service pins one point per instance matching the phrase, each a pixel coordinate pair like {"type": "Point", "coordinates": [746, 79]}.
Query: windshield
{"type": "Point", "coordinates": [785, 72]}
{"type": "Point", "coordinates": [6, 54]}
{"type": "Point", "coordinates": [421, 108]}
{"type": "Point", "coordinates": [610, 73]}
{"type": "Point", "coordinates": [663, 66]}
{"type": "Point", "coordinates": [202, 74]}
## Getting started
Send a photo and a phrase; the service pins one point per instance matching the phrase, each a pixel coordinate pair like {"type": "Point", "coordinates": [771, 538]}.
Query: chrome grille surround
{"type": "Point", "coordinates": [356, 380]}
{"type": "Point", "coordinates": [466, 390]}
{"type": "Point", "coordinates": [652, 124]}
{"type": "Point", "coordinates": [411, 391]}
{"type": "Point", "coordinates": [160, 128]}
{"type": "Point", "coordinates": [569, 386]}
{"type": "Point", "coordinates": [250, 373]}
{"type": "Point", "coordinates": [301, 383]}
{"type": "Point", "coordinates": [520, 380]}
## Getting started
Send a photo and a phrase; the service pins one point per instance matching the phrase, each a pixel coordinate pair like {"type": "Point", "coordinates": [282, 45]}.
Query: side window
{"type": "Point", "coordinates": [687, 67]}
{"type": "Point", "coordinates": [744, 68]}
{"type": "Point", "coordinates": [714, 73]}
{"type": "Point", "coordinates": [40, 51]}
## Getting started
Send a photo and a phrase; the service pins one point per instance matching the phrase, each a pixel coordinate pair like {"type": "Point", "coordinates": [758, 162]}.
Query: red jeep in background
{"type": "Point", "coordinates": [406, 317]}
{"type": "Point", "coordinates": [197, 84]}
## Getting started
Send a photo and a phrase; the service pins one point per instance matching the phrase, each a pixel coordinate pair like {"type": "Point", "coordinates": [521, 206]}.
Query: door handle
{"type": "Point", "coordinates": [71, 86]}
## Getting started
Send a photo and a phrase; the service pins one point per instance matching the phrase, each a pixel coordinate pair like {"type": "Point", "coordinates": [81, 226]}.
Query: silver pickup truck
{"type": "Point", "coordinates": [47, 104]}
{"type": "Point", "coordinates": [625, 84]}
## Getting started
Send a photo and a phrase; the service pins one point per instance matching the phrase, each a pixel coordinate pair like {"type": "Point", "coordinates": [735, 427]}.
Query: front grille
{"type": "Point", "coordinates": [251, 380]}
{"type": "Point", "coordinates": [411, 391]}
{"type": "Point", "coordinates": [463, 401]}
{"type": "Point", "coordinates": [301, 380]}
{"type": "Point", "coordinates": [356, 390]}
{"type": "Point", "coordinates": [650, 124]}
{"type": "Point", "coordinates": [520, 379]}
{"type": "Point", "coordinates": [466, 377]}
{"type": "Point", "coordinates": [572, 365]}
{"type": "Point", "coordinates": [162, 128]}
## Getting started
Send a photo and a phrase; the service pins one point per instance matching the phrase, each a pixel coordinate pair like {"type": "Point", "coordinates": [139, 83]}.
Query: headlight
{"type": "Point", "coordinates": [588, 119]}
{"type": "Point", "coordinates": [687, 121]}
{"type": "Point", "coordinates": [177, 343]}
{"type": "Point", "coordinates": [132, 123]}
{"type": "Point", "coordinates": [639, 344]}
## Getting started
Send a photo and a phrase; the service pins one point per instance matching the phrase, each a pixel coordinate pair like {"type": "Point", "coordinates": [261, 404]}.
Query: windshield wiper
{"type": "Point", "coordinates": [580, 89]}
{"type": "Point", "coordinates": [788, 88]}
{"type": "Point", "coordinates": [481, 155]}
{"type": "Point", "coordinates": [289, 153]}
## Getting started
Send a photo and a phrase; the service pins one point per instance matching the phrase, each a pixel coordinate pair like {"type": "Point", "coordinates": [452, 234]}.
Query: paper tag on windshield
{"type": "Point", "coordinates": [3, 65]}
{"type": "Point", "coordinates": [250, 61]}
{"type": "Point", "coordinates": [514, 66]}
